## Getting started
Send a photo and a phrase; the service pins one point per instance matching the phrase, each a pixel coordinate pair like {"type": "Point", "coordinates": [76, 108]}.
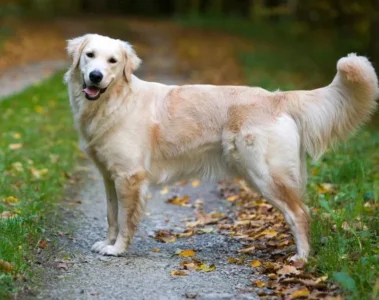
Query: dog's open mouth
{"type": "Point", "coordinates": [92, 92]}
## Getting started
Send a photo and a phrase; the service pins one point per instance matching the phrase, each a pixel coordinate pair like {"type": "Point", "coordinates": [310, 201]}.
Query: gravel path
{"type": "Point", "coordinates": [141, 273]}
{"type": "Point", "coordinates": [18, 78]}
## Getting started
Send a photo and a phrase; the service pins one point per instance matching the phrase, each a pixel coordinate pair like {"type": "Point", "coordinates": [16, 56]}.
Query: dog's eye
{"type": "Point", "coordinates": [90, 54]}
{"type": "Point", "coordinates": [112, 60]}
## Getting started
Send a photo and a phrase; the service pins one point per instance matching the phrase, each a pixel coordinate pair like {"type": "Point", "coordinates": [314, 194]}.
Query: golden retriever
{"type": "Point", "coordinates": [140, 133]}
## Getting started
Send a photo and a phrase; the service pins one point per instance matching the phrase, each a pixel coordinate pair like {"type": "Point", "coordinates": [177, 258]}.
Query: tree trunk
{"type": "Point", "coordinates": [374, 34]}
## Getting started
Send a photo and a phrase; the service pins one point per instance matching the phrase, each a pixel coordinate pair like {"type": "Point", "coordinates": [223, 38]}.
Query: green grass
{"type": "Point", "coordinates": [38, 119]}
{"type": "Point", "coordinates": [345, 222]}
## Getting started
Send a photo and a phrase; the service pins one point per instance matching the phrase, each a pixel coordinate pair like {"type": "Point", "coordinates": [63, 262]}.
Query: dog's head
{"type": "Point", "coordinates": [102, 61]}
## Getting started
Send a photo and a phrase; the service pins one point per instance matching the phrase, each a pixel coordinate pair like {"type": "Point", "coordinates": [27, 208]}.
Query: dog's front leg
{"type": "Point", "coordinates": [131, 195]}
{"type": "Point", "coordinates": [112, 215]}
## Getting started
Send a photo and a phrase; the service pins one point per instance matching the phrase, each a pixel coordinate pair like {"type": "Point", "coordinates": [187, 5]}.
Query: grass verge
{"type": "Point", "coordinates": [344, 184]}
{"type": "Point", "coordinates": [38, 148]}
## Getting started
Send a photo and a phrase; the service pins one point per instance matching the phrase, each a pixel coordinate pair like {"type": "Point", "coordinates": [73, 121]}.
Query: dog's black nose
{"type": "Point", "coordinates": [95, 76]}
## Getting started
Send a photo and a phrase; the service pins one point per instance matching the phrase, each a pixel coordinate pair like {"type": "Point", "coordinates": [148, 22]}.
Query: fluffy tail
{"type": "Point", "coordinates": [330, 114]}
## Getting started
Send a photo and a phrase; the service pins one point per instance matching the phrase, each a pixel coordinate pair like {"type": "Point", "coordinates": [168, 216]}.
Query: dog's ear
{"type": "Point", "coordinates": [132, 61]}
{"type": "Point", "coordinates": [75, 48]}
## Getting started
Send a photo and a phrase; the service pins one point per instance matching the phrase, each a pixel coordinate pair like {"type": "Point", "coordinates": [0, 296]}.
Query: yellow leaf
{"type": "Point", "coordinates": [156, 250]}
{"type": "Point", "coordinates": [304, 292]}
{"type": "Point", "coordinates": [16, 135]}
{"type": "Point", "coordinates": [236, 261]}
{"type": "Point", "coordinates": [268, 233]}
{"type": "Point", "coordinates": [259, 283]}
{"type": "Point", "coordinates": [39, 109]}
{"type": "Point", "coordinates": [187, 253]}
{"type": "Point", "coordinates": [178, 273]}
{"type": "Point", "coordinates": [195, 183]}
{"type": "Point", "coordinates": [205, 267]}
{"type": "Point", "coordinates": [232, 198]}
{"type": "Point", "coordinates": [10, 200]}
{"type": "Point", "coordinates": [272, 276]}
{"type": "Point", "coordinates": [326, 188]}
{"type": "Point", "coordinates": [15, 146]}
{"type": "Point", "coordinates": [181, 201]}
{"type": "Point", "coordinates": [255, 263]}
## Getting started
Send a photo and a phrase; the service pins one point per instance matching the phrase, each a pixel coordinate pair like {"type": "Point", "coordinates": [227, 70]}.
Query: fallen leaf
{"type": "Point", "coordinates": [236, 261]}
{"type": "Point", "coordinates": [287, 269]}
{"type": "Point", "coordinates": [205, 219]}
{"type": "Point", "coordinates": [43, 244]}
{"type": "Point", "coordinates": [205, 230]}
{"type": "Point", "coordinates": [16, 135]}
{"type": "Point", "coordinates": [195, 183]}
{"type": "Point", "coordinates": [188, 265]}
{"type": "Point", "coordinates": [156, 250]}
{"type": "Point", "coordinates": [304, 292]}
{"type": "Point", "coordinates": [272, 276]}
{"type": "Point", "coordinates": [233, 198]}
{"type": "Point", "coordinates": [15, 146]}
{"type": "Point", "coordinates": [250, 249]}
{"type": "Point", "coordinates": [178, 273]}
{"type": "Point", "coordinates": [268, 233]}
{"type": "Point", "coordinates": [186, 233]}
{"type": "Point", "coordinates": [259, 283]}
{"type": "Point", "coordinates": [5, 266]}
{"type": "Point", "coordinates": [326, 188]}
{"type": "Point", "coordinates": [187, 253]}
{"type": "Point", "coordinates": [10, 200]}
{"type": "Point", "coordinates": [38, 173]}
{"type": "Point", "coordinates": [7, 214]}
{"type": "Point", "coordinates": [255, 263]}
{"type": "Point", "coordinates": [197, 265]}
{"type": "Point", "coordinates": [181, 201]}
{"type": "Point", "coordinates": [206, 268]}
{"type": "Point", "coordinates": [17, 167]}
{"type": "Point", "coordinates": [164, 236]}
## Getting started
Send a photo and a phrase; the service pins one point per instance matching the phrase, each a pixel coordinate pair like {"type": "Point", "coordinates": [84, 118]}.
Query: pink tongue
{"type": "Point", "coordinates": [91, 91]}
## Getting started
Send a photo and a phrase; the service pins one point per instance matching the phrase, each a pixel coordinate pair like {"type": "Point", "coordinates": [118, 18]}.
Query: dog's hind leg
{"type": "Point", "coordinates": [271, 162]}
{"type": "Point", "coordinates": [131, 192]}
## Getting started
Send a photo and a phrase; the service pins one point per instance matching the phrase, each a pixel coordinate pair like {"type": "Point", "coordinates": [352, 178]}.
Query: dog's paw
{"type": "Point", "coordinates": [298, 257]}
{"type": "Point", "coordinates": [98, 246]}
{"type": "Point", "coordinates": [112, 250]}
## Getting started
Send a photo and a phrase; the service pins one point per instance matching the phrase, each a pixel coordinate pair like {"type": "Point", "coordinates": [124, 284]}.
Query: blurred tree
{"type": "Point", "coordinates": [357, 20]}
{"type": "Point", "coordinates": [374, 35]}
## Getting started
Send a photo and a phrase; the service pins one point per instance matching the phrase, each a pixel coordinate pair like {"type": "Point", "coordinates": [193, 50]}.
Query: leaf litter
{"type": "Point", "coordinates": [267, 245]}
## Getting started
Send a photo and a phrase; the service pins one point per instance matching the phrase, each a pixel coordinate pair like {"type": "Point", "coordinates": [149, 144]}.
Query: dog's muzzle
{"type": "Point", "coordinates": [92, 92]}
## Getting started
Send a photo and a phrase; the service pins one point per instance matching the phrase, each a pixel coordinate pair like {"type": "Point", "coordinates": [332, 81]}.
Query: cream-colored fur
{"type": "Point", "coordinates": [140, 133]}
